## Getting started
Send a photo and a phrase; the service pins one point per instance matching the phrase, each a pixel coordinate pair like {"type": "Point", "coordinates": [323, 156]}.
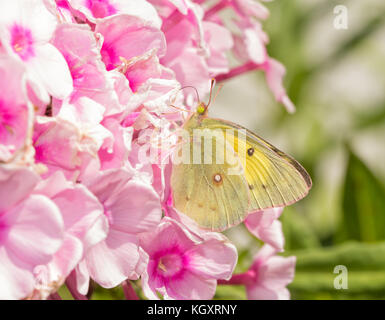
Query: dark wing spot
{"type": "Point", "coordinates": [250, 151]}
{"type": "Point", "coordinates": [251, 187]}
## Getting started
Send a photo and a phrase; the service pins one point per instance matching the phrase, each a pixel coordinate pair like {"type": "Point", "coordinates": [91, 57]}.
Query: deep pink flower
{"type": "Point", "coordinates": [266, 227]}
{"type": "Point", "coordinates": [270, 274]}
{"type": "Point", "coordinates": [120, 33]}
{"type": "Point", "coordinates": [81, 49]}
{"type": "Point", "coordinates": [26, 27]}
{"type": "Point", "coordinates": [166, 7]}
{"type": "Point", "coordinates": [187, 50]}
{"type": "Point", "coordinates": [249, 9]}
{"type": "Point", "coordinates": [183, 264]}
{"type": "Point", "coordinates": [219, 41]}
{"type": "Point", "coordinates": [267, 277]}
{"type": "Point", "coordinates": [97, 9]}
{"type": "Point", "coordinates": [58, 145]}
{"type": "Point", "coordinates": [70, 142]}
{"type": "Point", "coordinates": [251, 44]}
{"type": "Point", "coordinates": [131, 207]}
{"type": "Point", "coordinates": [63, 9]}
{"type": "Point", "coordinates": [275, 71]}
{"type": "Point", "coordinates": [15, 111]}
{"type": "Point", "coordinates": [114, 152]}
{"type": "Point", "coordinates": [84, 226]}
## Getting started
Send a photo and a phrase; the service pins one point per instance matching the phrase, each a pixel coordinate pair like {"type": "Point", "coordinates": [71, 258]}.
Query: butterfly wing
{"type": "Point", "coordinates": [274, 178]}
{"type": "Point", "coordinates": [209, 193]}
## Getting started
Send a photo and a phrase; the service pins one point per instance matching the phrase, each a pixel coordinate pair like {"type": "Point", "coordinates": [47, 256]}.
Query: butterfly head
{"type": "Point", "coordinates": [202, 109]}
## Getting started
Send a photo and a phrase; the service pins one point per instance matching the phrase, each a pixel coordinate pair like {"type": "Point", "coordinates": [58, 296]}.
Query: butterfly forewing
{"type": "Point", "coordinates": [274, 178]}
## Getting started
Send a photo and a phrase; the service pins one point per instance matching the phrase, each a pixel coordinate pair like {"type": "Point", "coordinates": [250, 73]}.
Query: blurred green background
{"type": "Point", "coordinates": [336, 78]}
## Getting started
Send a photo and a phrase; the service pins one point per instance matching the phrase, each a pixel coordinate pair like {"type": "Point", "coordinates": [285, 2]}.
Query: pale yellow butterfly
{"type": "Point", "coordinates": [217, 200]}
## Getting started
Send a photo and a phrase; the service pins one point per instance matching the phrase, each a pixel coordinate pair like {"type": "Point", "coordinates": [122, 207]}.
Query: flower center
{"type": "Point", "coordinates": [170, 265]}
{"type": "Point", "coordinates": [3, 229]}
{"type": "Point", "coordinates": [22, 42]}
{"type": "Point", "coordinates": [108, 214]}
{"type": "Point", "coordinates": [6, 121]}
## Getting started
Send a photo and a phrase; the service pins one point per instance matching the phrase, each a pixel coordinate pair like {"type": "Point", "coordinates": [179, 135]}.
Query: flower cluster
{"type": "Point", "coordinates": [80, 80]}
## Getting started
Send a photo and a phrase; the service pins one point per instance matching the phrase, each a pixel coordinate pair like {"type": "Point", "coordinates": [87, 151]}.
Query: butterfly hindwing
{"type": "Point", "coordinates": [207, 193]}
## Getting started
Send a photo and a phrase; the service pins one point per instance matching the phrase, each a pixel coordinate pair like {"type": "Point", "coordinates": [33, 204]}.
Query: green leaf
{"type": "Point", "coordinates": [297, 230]}
{"type": "Point", "coordinates": [227, 292]}
{"type": "Point", "coordinates": [363, 204]}
{"type": "Point", "coordinates": [314, 277]}
{"type": "Point", "coordinates": [368, 119]}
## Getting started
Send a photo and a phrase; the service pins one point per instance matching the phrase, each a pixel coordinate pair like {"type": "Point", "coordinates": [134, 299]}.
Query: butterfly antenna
{"type": "Point", "coordinates": [195, 89]}
{"type": "Point", "coordinates": [211, 90]}
{"type": "Point", "coordinates": [180, 109]}
{"type": "Point", "coordinates": [219, 89]}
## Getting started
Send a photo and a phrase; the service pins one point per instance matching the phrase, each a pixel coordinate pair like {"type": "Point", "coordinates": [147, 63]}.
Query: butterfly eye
{"type": "Point", "coordinates": [201, 108]}
{"type": "Point", "coordinates": [250, 151]}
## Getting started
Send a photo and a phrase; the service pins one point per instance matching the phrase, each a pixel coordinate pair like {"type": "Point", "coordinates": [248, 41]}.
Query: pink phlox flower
{"type": "Point", "coordinates": [251, 44]}
{"type": "Point", "coordinates": [59, 145]}
{"type": "Point", "coordinates": [185, 265]}
{"type": "Point", "coordinates": [187, 50]}
{"type": "Point", "coordinates": [266, 227]}
{"type": "Point", "coordinates": [62, 10]}
{"type": "Point", "coordinates": [275, 71]}
{"type": "Point", "coordinates": [25, 32]}
{"type": "Point", "coordinates": [16, 114]}
{"type": "Point", "coordinates": [120, 32]}
{"type": "Point", "coordinates": [84, 223]}
{"type": "Point", "coordinates": [166, 7]}
{"type": "Point", "coordinates": [132, 207]}
{"type": "Point", "coordinates": [81, 49]}
{"type": "Point", "coordinates": [87, 115]}
{"type": "Point", "coordinates": [115, 150]}
{"type": "Point", "coordinates": [31, 231]}
{"type": "Point", "coordinates": [249, 9]}
{"type": "Point", "coordinates": [219, 41]}
{"type": "Point", "coordinates": [270, 275]}
{"type": "Point", "coordinates": [152, 82]}
{"type": "Point", "coordinates": [95, 10]}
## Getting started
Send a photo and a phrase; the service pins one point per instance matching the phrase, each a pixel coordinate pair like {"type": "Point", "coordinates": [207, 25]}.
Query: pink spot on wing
{"type": "Point", "coordinates": [22, 42]}
{"type": "Point", "coordinates": [101, 8]}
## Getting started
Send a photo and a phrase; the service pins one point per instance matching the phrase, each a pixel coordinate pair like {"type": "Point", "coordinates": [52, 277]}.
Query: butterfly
{"type": "Point", "coordinates": [216, 198]}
